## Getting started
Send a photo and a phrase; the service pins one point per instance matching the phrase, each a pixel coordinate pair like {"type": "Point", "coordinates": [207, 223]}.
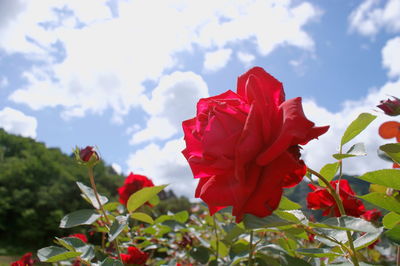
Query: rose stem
{"type": "Point", "coordinates": [91, 177]}
{"type": "Point", "coordinates": [398, 257]}
{"type": "Point", "coordinates": [216, 238]}
{"type": "Point", "coordinates": [341, 210]}
{"type": "Point", "coordinates": [251, 248]}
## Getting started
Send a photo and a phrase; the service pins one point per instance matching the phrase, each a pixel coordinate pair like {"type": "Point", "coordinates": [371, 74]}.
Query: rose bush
{"type": "Point", "coordinates": [244, 146]}
{"type": "Point", "coordinates": [132, 184]}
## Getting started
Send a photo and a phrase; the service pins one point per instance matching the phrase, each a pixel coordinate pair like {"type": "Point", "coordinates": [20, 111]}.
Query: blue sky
{"type": "Point", "coordinates": [123, 74]}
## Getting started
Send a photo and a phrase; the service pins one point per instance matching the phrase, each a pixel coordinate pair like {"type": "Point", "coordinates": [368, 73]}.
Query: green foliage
{"type": "Point", "coordinates": [356, 127]}
{"type": "Point", "coordinates": [37, 189]}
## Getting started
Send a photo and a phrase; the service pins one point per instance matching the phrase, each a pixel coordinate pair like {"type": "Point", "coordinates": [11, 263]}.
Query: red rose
{"type": "Point", "coordinates": [80, 236]}
{"type": "Point", "coordinates": [371, 215]}
{"type": "Point", "coordinates": [390, 106]}
{"type": "Point", "coordinates": [321, 199]}
{"type": "Point", "coordinates": [244, 146]}
{"type": "Point", "coordinates": [132, 184]}
{"type": "Point", "coordinates": [134, 256]}
{"type": "Point", "coordinates": [25, 260]}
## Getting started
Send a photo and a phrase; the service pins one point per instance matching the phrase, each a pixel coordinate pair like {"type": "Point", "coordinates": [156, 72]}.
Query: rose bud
{"type": "Point", "coordinates": [390, 107]}
{"type": "Point", "coordinates": [87, 155]}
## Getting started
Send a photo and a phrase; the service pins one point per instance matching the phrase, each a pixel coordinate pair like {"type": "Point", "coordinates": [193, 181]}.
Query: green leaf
{"type": "Point", "coordinates": [143, 217]}
{"type": "Point", "coordinates": [181, 216]}
{"type": "Point", "coordinates": [154, 200]}
{"type": "Point", "coordinates": [88, 193]}
{"type": "Point", "coordinates": [385, 177]}
{"type": "Point", "coordinates": [318, 252]}
{"type": "Point", "coordinates": [355, 150]}
{"type": "Point", "coordinates": [383, 201]}
{"type": "Point", "coordinates": [390, 220]}
{"type": "Point", "coordinates": [356, 127]}
{"type": "Point", "coordinates": [232, 234]}
{"type": "Point", "coordinates": [349, 223]}
{"type": "Point", "coordinates": [392, 150]}
{"type": "Point", "coordinates": [80, 217]}
{"type": "Point", "coordinates": [117, 227]}
{"type": "Point", "coordinates": [367, 239]}
{"type": "Point", "coordinates": [111, 262]}
{"type": "Point", "coordinates": [142, 196]}
{"type": "Point", "coordinates": [222, 249]}
{"type": "Point", "coordinates": [200, 254]}
{"type": "Point", "coordinates": [111, 206]}
{"type": "Point", "coordinates": [75, 244]}
{"type": "Point", "coordinates": [253, 222]}
{"type": "Point", "coordinates": [287, 204]}
{"type": "Point", "coordinates": [54, 254]}
{"type": "Point", "coordinates": [394, 234]}
{"type": "Point", "coordinates": [328, 171]}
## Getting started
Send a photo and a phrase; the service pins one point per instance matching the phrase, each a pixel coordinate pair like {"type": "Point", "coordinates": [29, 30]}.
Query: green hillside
{"type": "Point", "coordinates": [37, 188]}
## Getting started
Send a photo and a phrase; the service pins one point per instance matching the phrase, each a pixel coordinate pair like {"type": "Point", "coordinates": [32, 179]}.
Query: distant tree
{"type": "Point", "coordinates": [37, 188]}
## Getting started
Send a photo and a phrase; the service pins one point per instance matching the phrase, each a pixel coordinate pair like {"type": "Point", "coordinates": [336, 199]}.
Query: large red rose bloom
{"type": "Point", "coordinates": [132, 184]}
{"type": "Point", "coordinates": [321, 199]}
{"type": "Point", "coordinates": [244, 146]}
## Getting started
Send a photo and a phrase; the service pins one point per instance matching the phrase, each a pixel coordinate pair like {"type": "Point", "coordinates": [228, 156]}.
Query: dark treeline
{"type": "Point", "coordinates": [37, 188]}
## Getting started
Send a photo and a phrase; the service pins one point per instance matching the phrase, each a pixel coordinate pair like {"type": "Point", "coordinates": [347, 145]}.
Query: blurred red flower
{"type": "Point", "coordinates": [80, 236]}
{"type": "Point", "coordinates": [390, 106]}
{"type": "Point", "coordinates": [134, 256]}
{"type": "Point", "coordinates": [321, 199]}
{"type": "Point", "coordinates": [25, 260]}
{"type": "Point", "coordinates": [132, 184]}
{"type": "Point", "coordinates": [371, 215]}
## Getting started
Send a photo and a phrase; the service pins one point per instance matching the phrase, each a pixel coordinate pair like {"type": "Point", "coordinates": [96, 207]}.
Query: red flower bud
{"type": "Point", "coordinates": [88, 153]}
{"type": "Point", "coordinates": [390, 107]}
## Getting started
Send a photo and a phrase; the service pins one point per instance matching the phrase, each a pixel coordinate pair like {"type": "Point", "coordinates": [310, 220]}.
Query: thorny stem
{"type": "Point", "coordinates": [96, 194]}
{"type": "Point", "coordinates": [216, 239]}
{"type": "Point", "coordinates": [335, 195]}
{"type": "Point", "coordinates": [250, 263]}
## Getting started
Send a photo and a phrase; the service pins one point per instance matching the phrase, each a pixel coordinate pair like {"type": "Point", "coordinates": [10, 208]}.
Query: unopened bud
{"type": "Point", "coordinates": [87, 155]}
{"type": "Point", "coordinates": [390, 106]}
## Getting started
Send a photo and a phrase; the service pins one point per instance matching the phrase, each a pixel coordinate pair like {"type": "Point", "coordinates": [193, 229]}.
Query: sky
{"type": "Point", "coordinates": [122, 75]}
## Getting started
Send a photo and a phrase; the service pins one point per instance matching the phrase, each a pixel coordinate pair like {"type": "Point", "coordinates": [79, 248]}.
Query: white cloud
{"type": "Point", "coordinates": [171, 102]}
{"type": "Point", "coordinates": [117, 168]}
{"type": "Point", "coordinates": [164, 165]}
{"type": "Point", "coordinates": [214, 61]}
{"type": "Point", "coordinates": [370, 17]}
{"type": "Point", "coordinates": [318, 152]}
{"type": "Point", "coordinates": [108, 58]}
{"type": "Point", "coordinates": [3, 82]}
{"type": "Point", "coordinates": [391, 57]}
{"type": "Point", "coordinates": [245, 58]}
{"type": "Point", "coordinates": [16, 122]}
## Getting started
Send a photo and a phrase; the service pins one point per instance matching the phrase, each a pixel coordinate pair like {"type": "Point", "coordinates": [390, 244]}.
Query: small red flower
{"type": "Point", "coordinates": [80, 236]}
{"type": "Point", "coordinates": [321, 199]}
{"type": "Point", "coordinates": [134, 256]}
{"type": "Point", "coordinates": [390, 129]}
{"type": "Point", "coordinates": [132, 184]}
{"type": "Point", "coordinates": [371, 215]}
{"type": "Point", "coordinates": [25, 260]}
{"type": "Point", "coordinates": [390, 106]}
